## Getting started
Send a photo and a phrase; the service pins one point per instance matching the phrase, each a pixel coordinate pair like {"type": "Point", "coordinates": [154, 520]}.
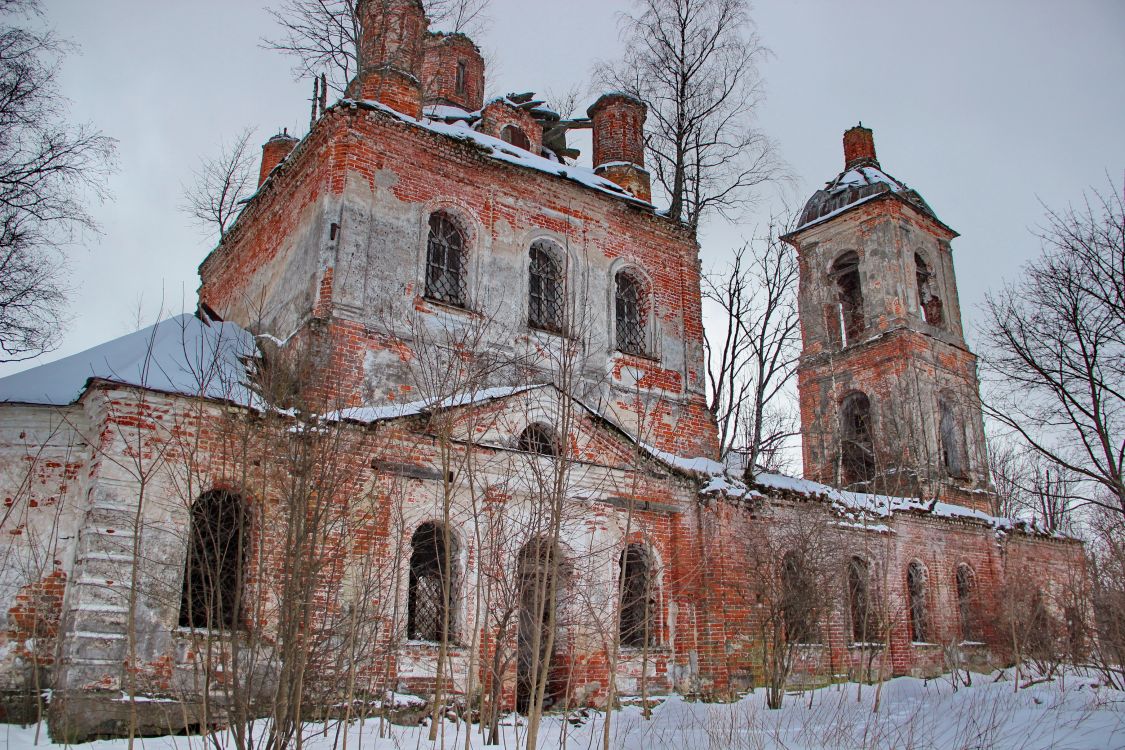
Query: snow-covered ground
{"type": "Point", "coordinates": [1070, 713]}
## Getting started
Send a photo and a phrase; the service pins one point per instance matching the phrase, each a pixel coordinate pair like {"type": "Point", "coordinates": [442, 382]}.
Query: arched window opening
{"type": "Point", "coordinates": [445, 261]}
{"type": "Point", "coordinates": [857, 459]}
{"type": "Point", "coordinates": [515, 136]}
{"type": "Point", "coordinates": [966, 603]}
{"type": "Point", "coordinates": [864, 626]}
{"type": "Point", "coordinates": [637, 601]}
{"type": "Point", "coordinates": [538, 438]}
{"type": "Point", "coordinates": [630, 303]}
{"type": "Point", "coordinates": [460, 80]}
{"type": "Point", "coordinates": [799, 601]}
{"type": "Point", "coordinates": [929, 303]}
{"type": "Point", "coordinates": [952, 441]}
{"type": "Point", "coordinates": [539, 575]}
{"type": "Point", "coordinates": [212, 590]}
{"type": "Point", "coordinates": [916, 594]}
{"type": "Point", "coordinates": [545, 288]}
{"type": "Point", "coordinates": [849, 297]}
{"type": "Point", "coordinates": [429, 610]}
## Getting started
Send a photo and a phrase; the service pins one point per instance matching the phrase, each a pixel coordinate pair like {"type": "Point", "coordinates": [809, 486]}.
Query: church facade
{"type": "Point", "coordinates": [441, 421]}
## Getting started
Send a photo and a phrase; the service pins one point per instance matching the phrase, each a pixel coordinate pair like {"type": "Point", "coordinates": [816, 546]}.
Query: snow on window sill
{"type": "Point", "coordinates": [866, 645]}
{"type": "Point", "coordinates": [924, 644]}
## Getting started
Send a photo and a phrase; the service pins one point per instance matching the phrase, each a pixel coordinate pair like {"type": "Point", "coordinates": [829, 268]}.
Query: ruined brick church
{"type": "Point", "coordinates": [524, 479]}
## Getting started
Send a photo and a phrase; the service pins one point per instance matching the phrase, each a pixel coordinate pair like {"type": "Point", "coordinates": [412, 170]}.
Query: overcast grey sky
{"type": "Point", "coordinates": [985, 108]}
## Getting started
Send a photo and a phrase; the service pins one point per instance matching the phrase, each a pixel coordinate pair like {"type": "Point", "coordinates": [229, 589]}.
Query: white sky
{"type": "Point", "coordinates": [985, 108]}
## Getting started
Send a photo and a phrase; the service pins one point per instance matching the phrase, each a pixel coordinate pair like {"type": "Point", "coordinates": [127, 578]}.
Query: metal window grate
{"type": "Point", "coordinates": [445, 261]}
{"type": "Point", "coordinates": [545, 289]}
{"type": "Point", "coordinates": [630, 315]}
{"type": "Point", "coordinates": [538, 439]}
{"type": "Point", "coordinates": [636, 598]}
{"type": "Point", "coordinates": [426, 616]}
{"type": "Point", "coordinates": [212, 579]}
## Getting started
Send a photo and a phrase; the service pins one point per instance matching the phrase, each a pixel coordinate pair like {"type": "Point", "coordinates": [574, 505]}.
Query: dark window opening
{"type": "Point", "coordinates": [537, 438]}
{"type": "Point", "coordinates": [864, 627]}
{"type": "Point", "coordinates": [445, 261]}
{"type": "Point", "coordinates": [966, 603]}
{"type": "Point", "coordinates": [857, 459]}
{"type": "Point", "coordinates": [460, 85]}
{"type": "Point", "coordinates": [916, 593]}
{"type": "Point", "coordinates": [799, 601]}
{"type": "Point", "coordinates": [513, 135]}
{"type": "Point", "coordinates": [429, 614]}
{"type": "Point", "coordinates": [539, 564]}
{"type": "Point", "coordinates": [637, 602]}
{"type": "Point", "coordinates": [630, 314]}
{"type": "Point", "coordinates": [929, 303]}
{"type": "Point", "coordinates": [849, 296]}
{"type": "Point", "coordinates": [952, 441]}
{"type": "Point", "coordinates": [545, 288]}
{"type": "Point", "coordinates": [212, 588]}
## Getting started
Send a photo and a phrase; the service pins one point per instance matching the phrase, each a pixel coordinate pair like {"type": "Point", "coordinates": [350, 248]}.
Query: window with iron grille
{"type": "Point", "coordinates": [445, 261]}
{"type": "Point", "coordinates": [427, 616]}
{"type": "Point", "coordinates": [630, 314]}
{"type": "Point", "coordinates": [636, 622]}
{"type": "Point", "coordinates": [216, 556]}
{"type": "Point", "coordinates": [537, 438]}
{"type": "Point", "coordinates": [545, 288]}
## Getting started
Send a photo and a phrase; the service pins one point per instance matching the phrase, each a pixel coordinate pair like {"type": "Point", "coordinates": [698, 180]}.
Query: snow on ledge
{"type": "Point", "coordinates": [865, 510]}
{"type": "Point", "coordinates": [504, 151]}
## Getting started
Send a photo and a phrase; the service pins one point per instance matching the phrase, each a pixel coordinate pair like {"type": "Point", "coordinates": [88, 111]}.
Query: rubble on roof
{"type": "Point", "coordinates": [853, 187]}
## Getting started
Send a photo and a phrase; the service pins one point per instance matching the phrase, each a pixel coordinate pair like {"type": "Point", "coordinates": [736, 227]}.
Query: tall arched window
{"type": "Point", "coordinates": [212, 589]}
{"type": "Point", "coordinates": [630, 311]}
{"type": "Point", "coordinates": [857, 450]}
{"type": "Point", "coordinates": [545, 300]}
{"type": "Point", "coordinates": [430, 598]}
{"type": "Point", "coordinates": [637, 601]}
{"type": "Point", "coordinates": [966, 603]}
{"type": "Point", "coordinates": [515, 136]}
{"type": "Point", "coordinates": [538, 438]}
{"type": "Point", "coordinates": [799, 601]}
{"type": "Point", "coordinates": [849, 296]}
{"type": "Point", "coordinates": [952, 440]}
{"type": "Point", "coordinates": [916, 593]}
{"type": "Point", "coordinates": [445, 261]}
{"type": "Point", "coordinates": [929, 303]}
{"type": "Point", "coordinates": [540, 574]}
{"type": "Point", "coordinates": [864, 626]}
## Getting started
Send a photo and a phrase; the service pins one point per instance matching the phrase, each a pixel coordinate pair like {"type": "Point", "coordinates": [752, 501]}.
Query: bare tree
{"type": "Point", "coordinates": [695, 64]}
{"type": "Point", "coordinates": [221, 183]}
{"type": "Point", "coordinates": [1029, 484]}
{"type": "Point", "coordinates": [752, 350]}
{"type": "Point", "coordinates": [49, 168]}
{"type": "Point", "coordinates": [1056, 347]}
{"type": "Point", "coordinates": [323, 35]}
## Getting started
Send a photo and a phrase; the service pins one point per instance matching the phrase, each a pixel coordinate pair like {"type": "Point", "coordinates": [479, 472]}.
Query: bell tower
{"type": "Point", "coordinates": [888, 388]}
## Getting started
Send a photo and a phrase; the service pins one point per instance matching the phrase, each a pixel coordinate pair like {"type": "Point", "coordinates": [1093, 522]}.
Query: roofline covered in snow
{"type": "Point", "coordinates": [815, 223]}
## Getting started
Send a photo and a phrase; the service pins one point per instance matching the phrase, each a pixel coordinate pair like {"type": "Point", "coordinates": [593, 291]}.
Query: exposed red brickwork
{"type": "Point", "coordinates": [390, 54]}
{"type": "Point", "coordinates": [498, 114]}
{"type": "Point", "coordinates": [273, 151]}
{"type": "Point", "coordinates": [619, 153]}
{"type": "Point", "coordinates": [36, 612]}
{"type": "Point", "coordinates": [449, 59]}
{"type": "Point", "coordinates": [859, 146]}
